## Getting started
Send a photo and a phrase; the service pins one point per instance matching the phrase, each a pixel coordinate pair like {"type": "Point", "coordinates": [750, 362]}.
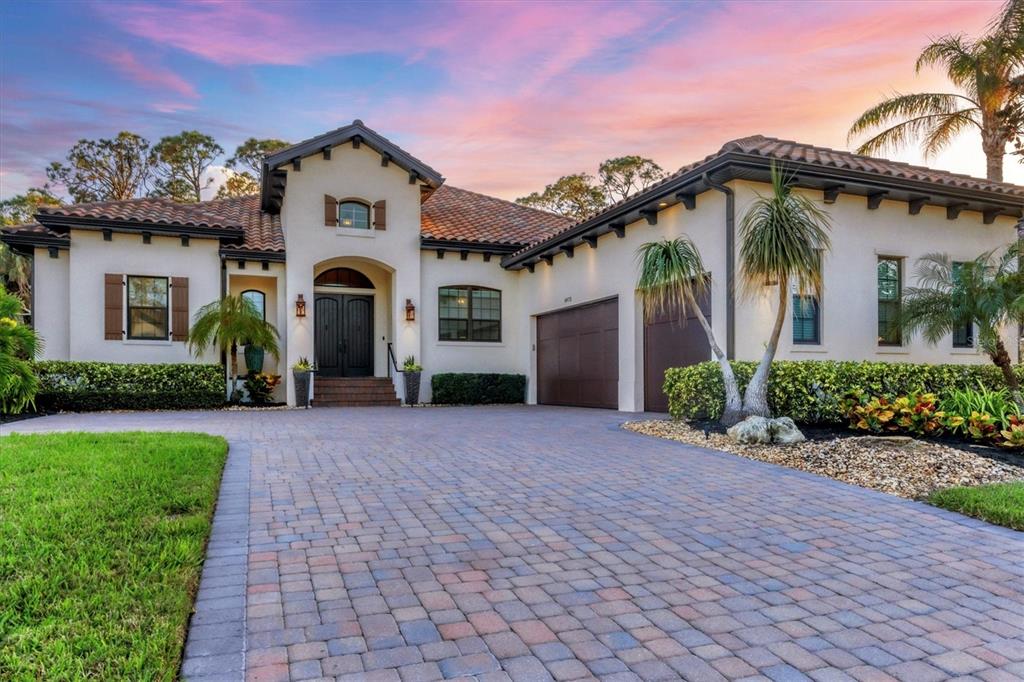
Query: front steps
{"type": "Point", "coordinates": [354, 392]}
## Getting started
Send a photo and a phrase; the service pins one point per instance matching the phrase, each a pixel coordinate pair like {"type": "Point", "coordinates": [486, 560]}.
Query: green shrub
{"type": "Point", "coordinates": [477, 389]}
{"type": "Point", "coordinates": [810, 391]}
{"type": "Point", "coordinates": [91, 386]}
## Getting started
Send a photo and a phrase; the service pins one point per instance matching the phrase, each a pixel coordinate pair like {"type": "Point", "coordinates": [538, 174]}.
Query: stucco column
{"type": "Point", "coordinates": [299, 341]}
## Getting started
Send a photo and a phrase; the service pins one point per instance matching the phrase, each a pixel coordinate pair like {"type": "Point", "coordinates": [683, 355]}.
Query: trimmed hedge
{"type": "Point", "coordinates": [809, 391]}
{"type": "Point", "coordinates": [91, 386]}
{"type": "Point", "coordinates": [477, 389]}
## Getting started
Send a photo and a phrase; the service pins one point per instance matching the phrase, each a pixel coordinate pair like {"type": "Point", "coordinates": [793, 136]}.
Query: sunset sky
{"type": "Point", "coordinates": [499, 97]}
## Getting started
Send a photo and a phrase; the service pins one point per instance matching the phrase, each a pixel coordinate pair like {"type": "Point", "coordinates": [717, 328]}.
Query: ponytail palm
{"type": "Point", "coordinates": [228, 323]}
{"type": "Point", "coordinates": [672, 276]}
{"type": "Point", "coordinates": [986, 293]}
{"type": "Point", "coordinates": [783, 236]}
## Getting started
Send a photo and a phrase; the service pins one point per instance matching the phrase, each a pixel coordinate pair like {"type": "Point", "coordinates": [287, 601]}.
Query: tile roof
{"type": "Point", "coordinates": [216, 213]}
{"type": "Point", "coordinates": [455, 214]}
{"type": "Point", "coordinates": [31, 230]}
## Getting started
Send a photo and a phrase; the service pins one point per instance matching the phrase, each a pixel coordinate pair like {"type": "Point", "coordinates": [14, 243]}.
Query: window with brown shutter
{"type": "Point", "coordinates": [113, 307]}
{"type": "Point", "coordinates": [330, 211]}
{"type": "Point", "coordinates": [380, 215]}
{"type": "Point", "coordinates": [179, 308]}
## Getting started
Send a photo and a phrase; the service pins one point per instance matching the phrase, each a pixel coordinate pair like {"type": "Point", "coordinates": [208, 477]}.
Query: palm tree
{"type": "Point", "coordinates": [986, 72]}
{"type": "Point", "coordinates": [228, 323]}
{"type": "Point", "coordinates": [19, 345]}
{"type": "Point", "coordinates": [986, 293]}
{"type": "Point", "coordinates": [783, 237]}
{"type": "Point", "coordinates": [672, 275]}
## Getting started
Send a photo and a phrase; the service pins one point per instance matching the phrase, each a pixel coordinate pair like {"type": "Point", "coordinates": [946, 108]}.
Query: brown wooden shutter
{"type": "Point", "coordinates": [380, 215]}
{"type": "Point", "coordinates": [330, 211]}
{"type": "Point", "coordinates": [179, 308]}
{"type": "Point", "coordinates": [113, 307]}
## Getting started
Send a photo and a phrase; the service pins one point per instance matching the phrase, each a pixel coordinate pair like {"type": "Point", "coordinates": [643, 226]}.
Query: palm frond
{"type": "Point", "coordinates": [943, 131]}
{"type": "Point", "coordinates": [671, 275]}
{"type": "Point", "coordinates": [956, 54]}
{"type": "Point", "coordinates": [231, 321]}
{"type": "Point", "coordinates": [782, 238]}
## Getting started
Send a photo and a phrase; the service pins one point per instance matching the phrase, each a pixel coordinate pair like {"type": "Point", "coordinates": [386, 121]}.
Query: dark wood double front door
{"type": "Point", "coordinates": [344, 335]}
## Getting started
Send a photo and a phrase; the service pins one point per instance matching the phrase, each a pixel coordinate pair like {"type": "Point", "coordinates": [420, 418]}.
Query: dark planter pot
{"type": "Point", "coordinates": [412, 387]}
{"type": "Point", "coordinates": [301, 387]}
{"type": "Point", "coordinates": [254, 358]}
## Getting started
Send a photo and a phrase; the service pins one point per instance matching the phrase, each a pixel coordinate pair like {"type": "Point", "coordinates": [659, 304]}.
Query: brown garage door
{"type": "Point", "coordinates": [578, 356]}
{"type": "Point", "coordinates": [668, 342]}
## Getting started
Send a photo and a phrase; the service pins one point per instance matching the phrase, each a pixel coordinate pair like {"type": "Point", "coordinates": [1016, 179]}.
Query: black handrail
{"type": "Point", "coordinates": [392, 362]}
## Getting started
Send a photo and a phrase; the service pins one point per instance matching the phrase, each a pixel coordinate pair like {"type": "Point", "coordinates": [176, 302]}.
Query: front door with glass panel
{"type": "Point", "coordinates": [344, 335]}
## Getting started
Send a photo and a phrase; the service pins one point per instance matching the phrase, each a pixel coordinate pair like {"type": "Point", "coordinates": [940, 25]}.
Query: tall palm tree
{"type": "Point", "coordinates": [987, 292]}
{"type": "Point", "coordinates": [227, 323]}
{"type": "Point", "coordinates": [19, 345]}
{"type": "Point", "coordinates": [986, 72]}
{"type": "Point", "coordinates": [672, 275]}
{"type": "Point", "coordinates": [783, 237]}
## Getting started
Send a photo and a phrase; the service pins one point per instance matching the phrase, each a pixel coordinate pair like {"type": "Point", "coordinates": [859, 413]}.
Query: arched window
{"type": "Point", "coordinates": [343, 277]}
{"type": "Point", "coordinates": [469, 313]}
{"type": "Point", "coordinates": [354, 214]}
{"type": "Point", "coordinates": [258, 299]}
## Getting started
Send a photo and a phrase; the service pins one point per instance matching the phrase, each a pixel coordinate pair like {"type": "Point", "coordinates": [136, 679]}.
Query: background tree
{"type": "Point", "coordinates": [672, 275]}
{"type": "Point", "coordinates": [16, 275]}
{"type": "Point", "coordinates": [104, 169]}
{"type": "Point", "coordinates": [238, 185]}
{"type": "Point", "coordinates": [228, 323]}
{"type": "Point", "coordinates": [181, 161]}
{"type": "Point", "coordinates": [20, 208]}
{"type": "Point", "coordinates": [987, 292]}
{"type": "Point", "coordinates": [782, 239]}
{"type": "Point", "coordinates": [249, 155]}
{"type": "Point", "coordinates": [19, 345]}
{"type": "Point", "coordinates": [574, 196]}
{"type": "Point", "coordinates": [987, 73]}
{"type": "Point", "coordinates": [625, 176]}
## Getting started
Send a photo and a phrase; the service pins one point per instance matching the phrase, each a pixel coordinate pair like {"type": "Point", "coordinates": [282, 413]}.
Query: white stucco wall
{"type": "Point", "coordinates": [51, 293]}
{"type": "Point", "coordinates": [351, 173]}
{"type": "Point", "coordinates": [849, 307]}
{"type": "Point", "coordinates": [466, 356]}
{"type": "Point", "coordinates": [92, 258]}
{"type": "Point", "coordinates": [610, 270]}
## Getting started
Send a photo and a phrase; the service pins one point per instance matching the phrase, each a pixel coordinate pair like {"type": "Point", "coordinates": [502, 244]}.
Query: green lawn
{"type": "Point", "coordinates": [101, 544]}
{"type": "Point", "coordinates": [999, 503]}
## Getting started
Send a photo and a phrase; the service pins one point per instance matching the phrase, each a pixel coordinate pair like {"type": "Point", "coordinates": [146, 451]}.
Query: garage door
{"type": "Point", "coordinates": [668, 342]}
{"type": "Point", "coordinates": [578, 356]}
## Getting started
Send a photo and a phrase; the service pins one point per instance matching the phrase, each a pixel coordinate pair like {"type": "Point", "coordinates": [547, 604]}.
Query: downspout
{"type": "Point", "coordinates": [223, 293]}
{"type": "Point", "coordinates": [730, 264]}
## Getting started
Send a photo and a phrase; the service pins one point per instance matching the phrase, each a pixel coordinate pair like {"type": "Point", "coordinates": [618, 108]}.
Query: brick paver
{"type": "Point", "coordinates": [547, 544]}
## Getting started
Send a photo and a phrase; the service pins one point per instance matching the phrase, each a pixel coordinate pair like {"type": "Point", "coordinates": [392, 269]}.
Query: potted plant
{"type": "Point", "coordinates": [226, 324]}
{"type": "Point", "coordinates": [254, 357]}
{"type": "Point", "coordinates": [412, 373]}
{"type": "Point", "coordinates": [300, 373]}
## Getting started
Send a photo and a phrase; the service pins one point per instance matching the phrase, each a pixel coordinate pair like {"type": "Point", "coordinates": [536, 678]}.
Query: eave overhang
{"type": "Point", "coordinates": [739, 166]}
{"type": "Point", "coordinates": [274, 180]}
{"type": "Point", "coordinates": [251, 255]}
{"type": "Point", "coordinates": [26, 241]}
{"type": "Point", "coordinates": [431, 244]}
{"type": "Point", "coordinates": [64, 224]}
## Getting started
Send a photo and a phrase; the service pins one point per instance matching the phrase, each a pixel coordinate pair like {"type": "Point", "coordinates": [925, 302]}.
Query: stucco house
{"type": "Point", "coordinates": [357, 251]}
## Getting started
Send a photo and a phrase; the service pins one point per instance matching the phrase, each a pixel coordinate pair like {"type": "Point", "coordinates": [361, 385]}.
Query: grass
{"type": "Point", "coordinates": [998, 503]}
{"type": "Point", "coordinates": [102, 539]}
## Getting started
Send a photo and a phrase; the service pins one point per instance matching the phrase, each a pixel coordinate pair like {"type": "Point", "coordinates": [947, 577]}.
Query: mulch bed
{"type": "Point", "coordinates": [911, 470]}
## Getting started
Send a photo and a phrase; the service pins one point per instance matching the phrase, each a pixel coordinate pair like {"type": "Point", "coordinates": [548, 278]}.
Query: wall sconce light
{"type": "Point", "coordinates": [410, 311]}
{"type": "Point", "coordinates": [300, 306]}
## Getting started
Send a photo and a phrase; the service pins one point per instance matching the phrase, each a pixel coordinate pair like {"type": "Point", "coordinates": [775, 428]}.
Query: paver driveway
{"type": "Point", "coordinates": [539, 543]}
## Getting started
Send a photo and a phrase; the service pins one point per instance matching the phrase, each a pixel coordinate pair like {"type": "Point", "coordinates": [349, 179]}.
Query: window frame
{"type": "Point", "coordinates": [128, 308]}
{"type": "Point", "coordinates": [967, 329]}
{"type": "Point", "coordinates": [356, 202]}
{"type": "Point", "coordinates": [263, 308]}
{"type": "Point", "coordinates": [470, 289]}
{"type": "Point", "coordinates": [813, 298]}
{"type": "Point", "coordinates": [881, 341]}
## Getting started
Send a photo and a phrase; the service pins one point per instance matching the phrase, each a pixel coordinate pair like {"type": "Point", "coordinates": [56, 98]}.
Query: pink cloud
{"type": "Point", "coordinates": [150, 75]}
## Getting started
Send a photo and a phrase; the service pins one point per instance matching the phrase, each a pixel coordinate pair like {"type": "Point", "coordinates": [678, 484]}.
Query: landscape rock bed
{"type": "Point", "coordinates": [909, 469]}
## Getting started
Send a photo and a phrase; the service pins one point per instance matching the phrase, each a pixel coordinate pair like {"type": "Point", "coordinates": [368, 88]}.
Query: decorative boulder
{"type": "Point", "coordinates": [752, 430]}
{"type": "Point", "coordinates": [785, 432]}
{"type": "Point", "coordinates": [763, 431]}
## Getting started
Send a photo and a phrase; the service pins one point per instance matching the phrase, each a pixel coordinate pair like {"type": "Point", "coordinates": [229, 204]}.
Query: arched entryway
{"type": "Point", "coordinates": [343, 313]}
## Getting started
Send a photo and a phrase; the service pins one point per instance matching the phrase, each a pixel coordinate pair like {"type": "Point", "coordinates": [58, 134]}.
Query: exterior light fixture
{"type": "Point", "coordinates": [300, 306]}
{"type": "Point", "coordinates": [410, 311]}
{"type": "Point", "coordinates": [663, 204]}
